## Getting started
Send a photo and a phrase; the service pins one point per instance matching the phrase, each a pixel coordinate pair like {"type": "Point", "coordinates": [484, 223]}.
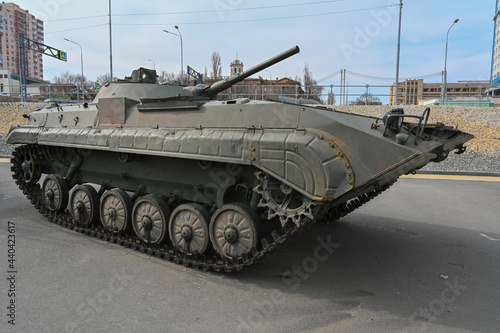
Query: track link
{"type": "Point", "coordinates": [215, 263]}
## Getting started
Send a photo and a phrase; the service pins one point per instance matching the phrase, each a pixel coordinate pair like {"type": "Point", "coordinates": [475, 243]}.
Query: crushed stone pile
{"type": "Point", "coordinates": [11, 114]}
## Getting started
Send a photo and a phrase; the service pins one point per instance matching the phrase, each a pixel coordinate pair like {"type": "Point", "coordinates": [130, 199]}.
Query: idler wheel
{"type": "Point", "coordinates": [30, 170]}
{"type": "Point", "coordinates": [150, 216]}
{"type": "Point", "coordinates": [84, 204]}
{"type": "Point", "coordinates": [234, 230]}
{"type": "Point", "coordinates": [55, 193]}
{"type": "Point", "coordinates": [188, 228]}
{"type": "Point", "coordinates": [116, 210]}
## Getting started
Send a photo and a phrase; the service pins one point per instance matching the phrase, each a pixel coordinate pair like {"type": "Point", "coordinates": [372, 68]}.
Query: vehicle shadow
{"type": "Point", "coordinates": [389, 266]}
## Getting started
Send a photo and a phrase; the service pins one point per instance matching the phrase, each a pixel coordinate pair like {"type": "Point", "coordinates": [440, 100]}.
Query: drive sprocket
{"type": "Point", "coordinates": [282, 201]}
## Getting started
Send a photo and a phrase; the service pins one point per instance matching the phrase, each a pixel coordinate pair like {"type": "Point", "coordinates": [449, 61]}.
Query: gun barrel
{"type": "Point", "coordinates": [219, 86]}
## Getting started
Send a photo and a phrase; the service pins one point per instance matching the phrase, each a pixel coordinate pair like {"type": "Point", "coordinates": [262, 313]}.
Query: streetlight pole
{"type": "Point", "coordinates": [81, 57]}
{"type": "Point", "coordinates": [270, 82]}
{"type": "Point", "coordinates": [110, 46]}
{"type": "Point", "coordinates": [444, 93]}
{"type": "Point", "coordinates": [182, 56]}
{"type": "Point", "coordinates": [154, 64]}
{"type": "Point", "coordinates": [399, 50]}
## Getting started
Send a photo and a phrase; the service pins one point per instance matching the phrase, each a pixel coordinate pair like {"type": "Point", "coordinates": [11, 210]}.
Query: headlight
{"type": "Point", "coordinates": [394, 123]}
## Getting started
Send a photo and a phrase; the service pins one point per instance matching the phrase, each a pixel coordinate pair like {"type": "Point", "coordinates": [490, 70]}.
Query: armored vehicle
{"type": "Point", "coordinates": [171, 171]}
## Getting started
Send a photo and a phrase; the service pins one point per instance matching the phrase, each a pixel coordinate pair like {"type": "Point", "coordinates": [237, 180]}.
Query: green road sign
{"type": "Point", "coordinates": [97, 86]}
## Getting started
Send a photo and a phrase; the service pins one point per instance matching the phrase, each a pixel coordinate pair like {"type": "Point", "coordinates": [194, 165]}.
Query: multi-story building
{"type": "Point", "coordinates": [416, 92]}
{"type": "Point", "coordinates": [495, 61]}
{"type": "Point", "coordinates": [13, 21]}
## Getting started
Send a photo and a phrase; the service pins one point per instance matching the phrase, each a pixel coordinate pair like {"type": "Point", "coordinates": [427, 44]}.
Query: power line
{"type": "Point", "coordinates": [425, 76]}
{"type": "Point", "coordinates": [82, 28]}
{"type": "Point", "coordinates": [256, 20]}
{"type": "Point", "coordinates": [200, 11]}
{"type": "Point", "coordinates": [224, 22]}
{"type": "Point", "coordinates": [330, 76]}
{"type": "Point", "coordinates": [75, 18]}
{"type": "Point", "coordinates": [234, 9]}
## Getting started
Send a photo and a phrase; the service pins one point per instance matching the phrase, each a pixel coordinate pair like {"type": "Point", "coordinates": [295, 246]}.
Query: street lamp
{"type": "Point", "coordinates": [270, 75]}
{"type": "Point", "coordinates": [182, 57]}
{"type": "Point", "coordinates": [444, 93]}
{"type": "Point", "coordinates": [270, 81]}
{"type": "Point", "coordinates": [398, 53]}
{"type": "Point", "coordinates": [154, 64]}
{"type": "Point", "coordinates": [81, 56]}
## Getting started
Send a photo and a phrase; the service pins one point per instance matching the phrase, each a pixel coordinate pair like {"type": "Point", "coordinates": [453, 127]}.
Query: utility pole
{"type": "Point", "coordinates": [399, 51]}
{"type": "Point", "coordinates": [110, 45]}
{"type": "Point", "coordinates": [341, 86]}
{"type": "Point", "coordinates": [22, 69]}
{"type": "Point", "coordinates": [347, 93]}
{"type": "Point", "coordinates": [366, 94]}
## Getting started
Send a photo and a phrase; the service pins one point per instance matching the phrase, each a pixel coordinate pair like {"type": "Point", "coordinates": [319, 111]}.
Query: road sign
{"type": "Point", "coordinates": [97, 86]}
{"type": "Point", "coordinates": [194, 73]}
{"type": "Point", "coordinates": [33, 45]}
{"type": "Point", "coordinates": [63, 56]}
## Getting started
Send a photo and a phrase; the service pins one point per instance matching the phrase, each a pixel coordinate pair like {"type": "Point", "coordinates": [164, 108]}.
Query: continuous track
{"type": "Point", "coordinates": [33, 192]}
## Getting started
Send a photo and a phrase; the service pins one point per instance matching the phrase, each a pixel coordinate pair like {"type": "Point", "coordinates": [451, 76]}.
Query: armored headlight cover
{"type": "Point", "coordinates": [394, 123]}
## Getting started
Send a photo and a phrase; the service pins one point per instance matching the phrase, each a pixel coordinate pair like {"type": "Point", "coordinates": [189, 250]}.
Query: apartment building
{"type": "Point", "coordinates": [14, 21]}
{"type": "Point", "coordinates": [495, 61]}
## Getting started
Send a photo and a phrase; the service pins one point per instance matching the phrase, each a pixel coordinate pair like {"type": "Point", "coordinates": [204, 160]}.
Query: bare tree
{"type": "Point", "coordinates": [68, 82]}
{"type": "Point", "coordinates": [105, 78]}
{"type": "Point", "coordinates": [67, 78]}
{"type": "Point", "coordinates": [216, 66]}
{"type": "Point", "coordinates": [366, 99]}
{"type": "Point", "coordinates": [311, 88]}
{"type": "Point", "coordinates": [166, 77]}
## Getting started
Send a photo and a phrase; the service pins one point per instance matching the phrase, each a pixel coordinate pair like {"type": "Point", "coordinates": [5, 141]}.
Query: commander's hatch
{"type": "Point", "coordinates": [172, 103]}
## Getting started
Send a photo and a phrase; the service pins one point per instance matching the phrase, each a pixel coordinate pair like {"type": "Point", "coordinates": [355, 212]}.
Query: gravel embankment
{"type": "Point", "coordinates": [11, 114]}
{"type": "Point", "coordinates": [482, 155]}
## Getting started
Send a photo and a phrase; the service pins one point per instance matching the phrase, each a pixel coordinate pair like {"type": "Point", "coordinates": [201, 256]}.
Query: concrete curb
{"type": "Point", "coordinates": [460, 173]}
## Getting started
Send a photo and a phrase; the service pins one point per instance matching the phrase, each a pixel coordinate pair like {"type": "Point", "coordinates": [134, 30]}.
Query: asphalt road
{"type": "Point", "coordinates": [422, 257]}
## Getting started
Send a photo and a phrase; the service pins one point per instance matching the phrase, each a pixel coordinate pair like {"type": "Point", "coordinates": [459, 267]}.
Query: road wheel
{"type": "Point", "coordinates": [234, 230]}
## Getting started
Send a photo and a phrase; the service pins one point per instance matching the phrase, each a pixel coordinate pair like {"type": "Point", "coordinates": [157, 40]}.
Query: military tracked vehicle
{"type": "Point", "coordinates": [168, 169]}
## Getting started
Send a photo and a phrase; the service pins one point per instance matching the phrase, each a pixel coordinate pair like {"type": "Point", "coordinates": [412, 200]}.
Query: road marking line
{"type": "Point", "coordinates": [454, 177]}
{"type": "Point", "coordinates": [4, 160]}
{"type": "Point", "coordinates": [486, 236]}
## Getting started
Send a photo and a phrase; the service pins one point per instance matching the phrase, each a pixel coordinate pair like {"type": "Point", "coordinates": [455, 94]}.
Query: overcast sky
{"type": "Point", "coordinates": [357, 35]}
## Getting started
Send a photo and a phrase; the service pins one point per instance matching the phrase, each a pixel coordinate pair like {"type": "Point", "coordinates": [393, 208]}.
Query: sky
{"type": "Point", "coordinates": [358, 35]}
